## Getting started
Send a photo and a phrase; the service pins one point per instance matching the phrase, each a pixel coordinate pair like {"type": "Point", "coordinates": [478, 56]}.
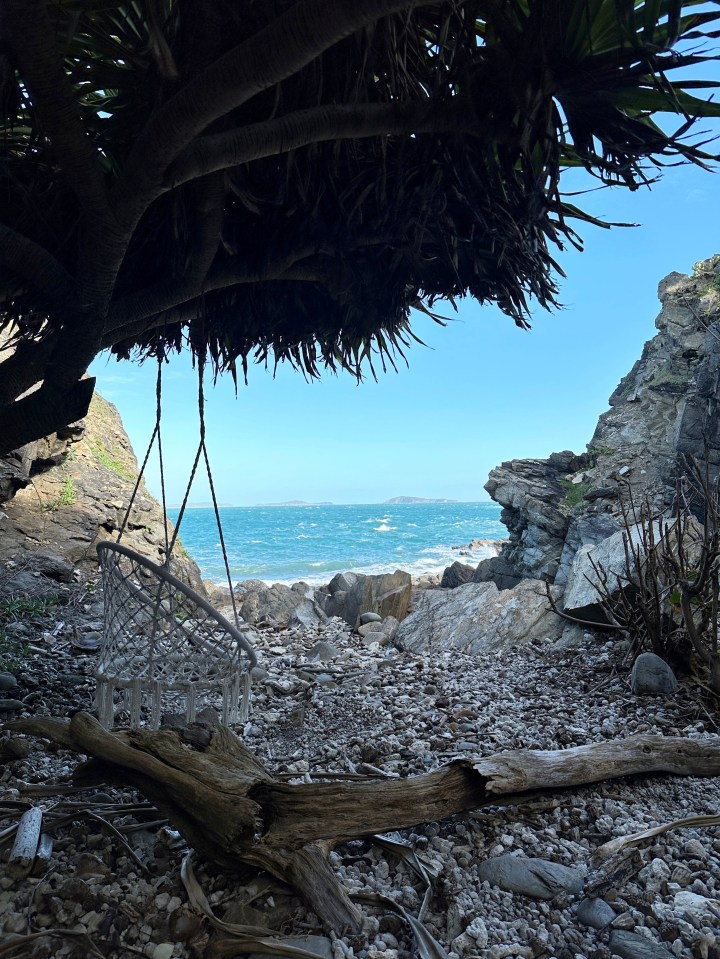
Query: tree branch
{"type": "Point", "coordinates": [34, 264]}
{"type": "Point", "coordinates": [54, 101]}
{"type": "Point", "coordinates": [234, 811]}
{"type": "Point", "coordinates": [278, 51]}
{"type": "Point", "coordinates": [133, 309]}
{"type": "Point", "coordinates": [314, 125]}
{"type": "Point", "coordinates": [173, 301]}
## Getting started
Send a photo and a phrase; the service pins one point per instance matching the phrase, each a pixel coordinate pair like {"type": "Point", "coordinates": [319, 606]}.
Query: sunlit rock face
{"type": "Point", "coordinates": [666, 408]}
{"type": "Point", "coordinates": [65, 493]}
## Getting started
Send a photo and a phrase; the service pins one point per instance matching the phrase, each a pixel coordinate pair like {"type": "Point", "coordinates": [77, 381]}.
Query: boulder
{"type": "Point", "coordinates": [651, 676]}
{"type": "Point", "coordinates": [366, 618]}
{"type": "Point", "coordinates": [342, 581]}
{"type": "Point", "coordinates": [303, 589]}
{"type": "Point", "coordinates": [631, 945]}
{"type": "Point", "coordinates": [307, 614]}
{"type": "Point", "coordinates": [324, 651]}
{"type": "Point", "coordinates": [478, 616]}
{"type": "Point", "coordinates": [537, 878]}
{"type": "Point", "coordinates": [390, 626]}
{"type": "Point", "coordinates": [582, 599]}
{"type": "Point", "coordinates": [351, 595]}
{"type": "Point", "coordinates": [595, 913]}
{"type": "Point", "coordinates": [54, 567]}
{"type": "Point", "coordinates": [456, 575]}
{"type": "Point", "coordinates": [249, 586]}
{"type": "Point", "coordinates": [333, 604]}
{"type": "Point", "coordinates": [274, 603]}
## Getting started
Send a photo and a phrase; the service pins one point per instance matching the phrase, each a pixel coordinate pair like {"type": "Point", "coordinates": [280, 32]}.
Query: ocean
{"type": "Point", "coordinates": [286, 544]}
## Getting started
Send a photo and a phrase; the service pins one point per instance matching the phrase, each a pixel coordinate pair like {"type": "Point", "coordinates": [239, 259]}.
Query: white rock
{"type": "Point", "coordinates": [478, 930]}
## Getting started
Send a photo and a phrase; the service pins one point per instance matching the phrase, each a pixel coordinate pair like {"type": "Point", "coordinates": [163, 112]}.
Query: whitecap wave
{"type": "Point", "coordinates": [384, 528]}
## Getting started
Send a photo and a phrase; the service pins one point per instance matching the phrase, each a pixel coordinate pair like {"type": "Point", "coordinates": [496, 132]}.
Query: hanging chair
{"type": "Point", "coordinates": [165, 648]}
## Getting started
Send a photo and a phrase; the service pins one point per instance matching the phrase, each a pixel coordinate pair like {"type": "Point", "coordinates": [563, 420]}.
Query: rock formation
{"type": "Point", "coordinates": [61, 496]}
{"type": "Point", "coordinates": [477, 617]}
{"type": "Point", "coordinates": [668, 406]}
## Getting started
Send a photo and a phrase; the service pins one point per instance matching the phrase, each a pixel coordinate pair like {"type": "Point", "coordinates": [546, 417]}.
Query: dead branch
{"type": "Point", "coordinates": [233, 811]}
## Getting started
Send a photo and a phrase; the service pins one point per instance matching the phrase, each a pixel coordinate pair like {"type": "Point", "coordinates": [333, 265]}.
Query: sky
{"type": "Point", "coordinates": [479, 393]}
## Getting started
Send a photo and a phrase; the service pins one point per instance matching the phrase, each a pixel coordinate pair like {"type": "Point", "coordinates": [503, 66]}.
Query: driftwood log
{"type": "Point", "coordinates": [233, 811]}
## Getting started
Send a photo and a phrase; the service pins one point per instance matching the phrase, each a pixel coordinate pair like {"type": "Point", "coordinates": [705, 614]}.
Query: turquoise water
{"type": "Point", "coordinates": [290, 543]}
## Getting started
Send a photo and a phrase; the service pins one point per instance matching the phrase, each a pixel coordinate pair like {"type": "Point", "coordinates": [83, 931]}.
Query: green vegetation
{"type": "Point", "coordinates": [401, 138]}
{"type": "Point", "coordinates": [705, 268]}
{"type": "Point", "coordinates": [596, 451]}
{"type": "Point", "coordinates": [13, 652]}
{"type": "Point", "coordinates": [67, 497]}
{"type": "Point", "coordinates": [110, 462]}
{"type": "Point", "coordinates": [708, 269]}
{"type": "Point", "coordinates": [667, 379]}
{"type": "Point", "coordinates": [15, 610]}
{"type": "Point", "coordinates": [574, 493]}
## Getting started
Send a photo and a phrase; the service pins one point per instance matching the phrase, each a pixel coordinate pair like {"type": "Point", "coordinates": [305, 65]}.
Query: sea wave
{"type": "Point", "coordinates": [276, 545]}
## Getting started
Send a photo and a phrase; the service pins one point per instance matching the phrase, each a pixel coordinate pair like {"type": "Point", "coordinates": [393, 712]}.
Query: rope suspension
{"type": "Point", "coordinates": [165, 646]}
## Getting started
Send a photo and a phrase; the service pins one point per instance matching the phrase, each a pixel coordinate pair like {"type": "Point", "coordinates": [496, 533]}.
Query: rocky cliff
{"type": "Point", "coordinates": [61, 496]}
{"type": "Point", "coordinates": [666, 407]}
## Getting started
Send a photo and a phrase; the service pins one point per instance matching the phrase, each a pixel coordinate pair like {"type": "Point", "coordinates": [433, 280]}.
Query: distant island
{"type": "Point", "coordinates": [414, 499]}
{"type": "Point", "coordinates": [295, 502]}
{"type": "Point", "coordinates": [202, 505]}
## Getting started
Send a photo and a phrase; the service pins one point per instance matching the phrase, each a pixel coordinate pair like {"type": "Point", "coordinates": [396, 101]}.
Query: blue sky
{"type": "Point", "coordinates": [481, 392]}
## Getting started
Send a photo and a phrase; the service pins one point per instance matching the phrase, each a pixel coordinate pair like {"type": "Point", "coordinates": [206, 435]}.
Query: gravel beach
{"type": "Point", "coordinates": [325, 703]}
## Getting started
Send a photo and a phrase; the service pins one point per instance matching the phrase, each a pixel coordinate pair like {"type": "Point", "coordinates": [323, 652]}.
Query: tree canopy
{"type": "Point", "coordinates": [287, 179]}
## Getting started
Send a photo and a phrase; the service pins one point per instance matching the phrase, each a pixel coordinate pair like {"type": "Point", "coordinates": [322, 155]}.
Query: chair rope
{"type": "Point", "coordinates": [164, 645]}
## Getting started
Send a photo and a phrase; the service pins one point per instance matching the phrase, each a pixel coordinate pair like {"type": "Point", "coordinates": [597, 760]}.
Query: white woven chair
{"type": "Point", "coordinates": [165, 648]}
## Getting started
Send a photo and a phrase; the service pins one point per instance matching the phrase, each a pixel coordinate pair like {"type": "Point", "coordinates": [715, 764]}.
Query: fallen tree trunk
{"type": "Point", "coordinates": [233, 811]}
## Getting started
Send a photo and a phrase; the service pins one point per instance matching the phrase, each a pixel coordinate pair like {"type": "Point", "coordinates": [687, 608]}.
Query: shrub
{"type": "Point", "coordinates": [574, 493]}
{"type": "Point", "coordinates": [667, 598]}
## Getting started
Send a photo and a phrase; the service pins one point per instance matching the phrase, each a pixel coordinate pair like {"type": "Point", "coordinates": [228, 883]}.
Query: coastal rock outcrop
{"type": "Point", "coordinates": [666, 408]}
{"type": "Point", "coordinates": [279, 605]}
{"type": "Point", "coordinates": [64, 494]}
{"type": "Point", "coordinates": [479, 617]}
{"type": "Point", "coordinates": [531, 493]}
{"type": "Point", "coordinates": [350, 595]}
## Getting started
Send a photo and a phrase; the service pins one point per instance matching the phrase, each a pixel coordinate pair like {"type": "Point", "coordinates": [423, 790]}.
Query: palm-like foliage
{"type": "Point", "coordinates": [286, 180]}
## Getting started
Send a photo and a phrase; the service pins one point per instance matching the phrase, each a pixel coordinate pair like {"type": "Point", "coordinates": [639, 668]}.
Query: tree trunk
{"type": "Point", "coordinates": [233, 811]}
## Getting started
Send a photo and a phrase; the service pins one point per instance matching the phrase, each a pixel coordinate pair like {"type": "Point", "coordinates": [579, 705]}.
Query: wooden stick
{"type": "Point", "coordinates": [232, 810]}
{"type": "Point", "coordinates": [22, 854]}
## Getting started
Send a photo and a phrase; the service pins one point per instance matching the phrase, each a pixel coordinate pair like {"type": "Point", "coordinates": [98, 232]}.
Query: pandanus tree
{"type": "Point", "coordinates": [287, 180]}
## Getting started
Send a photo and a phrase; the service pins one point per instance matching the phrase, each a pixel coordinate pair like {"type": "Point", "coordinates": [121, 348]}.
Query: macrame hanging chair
{"type": "Point", "coordinates": [165, 649]}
